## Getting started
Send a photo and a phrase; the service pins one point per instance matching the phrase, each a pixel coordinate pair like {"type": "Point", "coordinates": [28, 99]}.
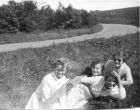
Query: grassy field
{"type": "Point", "coordinates": [52, 34]}
{"type": "Point", "coordinates": [119, 16]}
{"type": "Point", "coordinates": [21, 71]}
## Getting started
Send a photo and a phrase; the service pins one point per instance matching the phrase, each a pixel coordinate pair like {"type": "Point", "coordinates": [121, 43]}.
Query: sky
{"type": "Point", "coordinates": [85, 4]}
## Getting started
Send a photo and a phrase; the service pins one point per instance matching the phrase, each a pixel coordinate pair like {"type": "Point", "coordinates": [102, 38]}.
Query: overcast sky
{"type": "Point", "coordinates": [85, 4]}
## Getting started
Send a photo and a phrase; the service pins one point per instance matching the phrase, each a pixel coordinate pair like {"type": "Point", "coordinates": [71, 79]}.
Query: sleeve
{"type": "Point", "coordinates": [129, 79]}
{"type": "Point", "coordinates": [88, 80]}
{"type": "Point", "coordinates": [46, 87]}
{"type": "Point", "coordinates": [120, 93]}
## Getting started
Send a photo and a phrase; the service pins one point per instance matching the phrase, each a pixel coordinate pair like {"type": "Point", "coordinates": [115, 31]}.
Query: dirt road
{"type": "Point", "coordinates": [109, 30]}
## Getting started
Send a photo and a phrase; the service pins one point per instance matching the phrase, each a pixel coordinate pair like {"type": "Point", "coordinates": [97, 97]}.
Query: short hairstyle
{"type": "Point", "coordinates": [88, 69]}
{"type": "Point", "coordinates": [112, 77]}
{"type": "Point", "coordinates": [60, 61]}
{"type": "Point", "coordinates": [98, 61]}
{"type": "Point", "coordinates": [94, 62]}
{"type": "Point", "coordinates": [120, 54]}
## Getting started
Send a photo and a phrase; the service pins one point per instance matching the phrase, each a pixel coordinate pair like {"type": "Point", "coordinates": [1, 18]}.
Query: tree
{"type": "Point", "coordinates": [8, 20]}
{"type": "Point", "coordinates": [92, 20]}
{"type": "Point", "coordinates": [84, 17]}
{"type": "Point", "coordinates": [28, 21]}
{"type": "Point", "coordinates": [60, 16]}
{"type": "Point", "coordinates": [45, 18]}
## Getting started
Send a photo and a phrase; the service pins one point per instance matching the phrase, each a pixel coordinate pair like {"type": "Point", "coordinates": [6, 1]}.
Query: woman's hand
{"type": "Point", "coordinates": [122, 92]}
{"type": "Point", "coordinates": [69, 87]}
{"type": "Point", "coordinates": [117, 75]}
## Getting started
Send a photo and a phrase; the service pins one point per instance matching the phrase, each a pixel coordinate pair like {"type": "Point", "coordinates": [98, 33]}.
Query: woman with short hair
{"type": "Point", "coordinates": [49, 85]}
{"type": "Point", "coordinates": [118, 65]}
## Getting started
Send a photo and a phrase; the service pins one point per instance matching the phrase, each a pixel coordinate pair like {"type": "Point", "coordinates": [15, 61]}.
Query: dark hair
{"type": "Point", "coordinates": [94, 62]}
{"type": "Point", "coordinates": [112, 77]}
{"type": "Point", "coordinates": [60, 61]}
{"type": "Point", "coordinates": [88, 70]}
{"type": "Point", "coordinates": [121, 54]}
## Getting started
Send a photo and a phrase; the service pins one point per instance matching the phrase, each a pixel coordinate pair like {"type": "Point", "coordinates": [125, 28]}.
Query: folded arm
{"type": "Point", "coordinates": [129, 79]}
{"type": "Point", "coordinates": [121, 90]}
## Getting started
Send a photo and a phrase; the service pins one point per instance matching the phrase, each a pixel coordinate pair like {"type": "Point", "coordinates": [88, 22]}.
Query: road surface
{"type": "Point", "coordinates": [109, 30]}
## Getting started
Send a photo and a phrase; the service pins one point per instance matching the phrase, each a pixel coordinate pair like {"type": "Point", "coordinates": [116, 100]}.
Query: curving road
{"type": "Point", "coordinates": [109, 30]}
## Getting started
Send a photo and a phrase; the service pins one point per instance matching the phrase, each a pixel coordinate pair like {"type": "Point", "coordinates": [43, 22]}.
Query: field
{"type": "Point", "coordinates": [119, 16]}
{"type": "Point", "coordinates": [51, 34]}
{"type": "Point", "coordinates": [22, 71]}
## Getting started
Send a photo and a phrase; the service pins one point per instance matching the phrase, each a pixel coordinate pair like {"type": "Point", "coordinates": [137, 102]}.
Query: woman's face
{"type": "Point", "coordinates": [60, 71]}
{"type": "Point", "coordinates": [118, 62]}
{"type": "Point", "coordinates": [110, 83]}
{"type": "Point", "coordinates": [97, 70]}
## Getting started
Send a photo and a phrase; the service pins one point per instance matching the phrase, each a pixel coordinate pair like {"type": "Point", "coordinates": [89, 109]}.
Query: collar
{"type": "Point", "coordinates": [54, 76]}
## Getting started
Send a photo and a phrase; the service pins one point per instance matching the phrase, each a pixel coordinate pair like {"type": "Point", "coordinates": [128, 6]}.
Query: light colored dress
{"type": "Point", "coordinates": [79, 95]}
{"type": "Point", "coordinates": [97, 88]}
{"type": "Point", "coordinates": [45, 90]}
{"type": "Point", "coordinates": [96, 84]}
{"type": "Point", "coordinates": [114, 92]}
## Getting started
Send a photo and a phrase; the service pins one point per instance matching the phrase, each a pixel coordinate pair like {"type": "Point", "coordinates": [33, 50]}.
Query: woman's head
{"type": "Point", "coordinates": [97, 67]}
{"type": "Point", "coordinates": [60, 67]}
{"type": "Point", "coordinates": [119, 58]}
{"type": "Point", "coordinates": [111, 80]}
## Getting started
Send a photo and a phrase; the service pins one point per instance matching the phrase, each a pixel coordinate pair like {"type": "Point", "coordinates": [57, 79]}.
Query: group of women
{"type": "Point", "coordinates": [102, 79]}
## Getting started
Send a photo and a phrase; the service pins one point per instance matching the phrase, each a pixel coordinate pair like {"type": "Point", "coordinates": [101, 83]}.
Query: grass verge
{"type": "Point", "coordinates": [41, 36]}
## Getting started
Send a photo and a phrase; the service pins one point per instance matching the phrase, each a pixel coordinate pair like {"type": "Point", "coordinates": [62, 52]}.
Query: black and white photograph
{"type": "Point", "coordinates": [69, 54]}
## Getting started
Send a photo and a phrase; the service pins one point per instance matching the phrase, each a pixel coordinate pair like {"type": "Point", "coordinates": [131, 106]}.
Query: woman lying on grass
{"type": "Point", "coordinates": [86, 88]}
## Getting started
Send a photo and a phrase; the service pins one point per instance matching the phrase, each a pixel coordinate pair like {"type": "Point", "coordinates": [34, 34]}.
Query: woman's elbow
{"type": "Point", "coordinates": [122, 96]}
{"type": "Point", "coordinates": [131, 82]}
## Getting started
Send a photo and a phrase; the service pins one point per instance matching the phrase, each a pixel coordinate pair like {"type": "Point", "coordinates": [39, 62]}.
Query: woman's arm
{"type": "Point", "coordinates": [129, 79]}
{"type": "Point", "coordinates": [79, 79]}
{"type": "Point", "coordinates": [122, 92]}
{"type": "Point", "coordinates": [121, 89]}
{"type": "Point", "coordinates": [76, 80]}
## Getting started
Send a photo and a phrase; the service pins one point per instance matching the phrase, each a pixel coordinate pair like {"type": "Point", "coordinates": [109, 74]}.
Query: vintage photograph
{"type": "Point", "coordinates": [69, 54]}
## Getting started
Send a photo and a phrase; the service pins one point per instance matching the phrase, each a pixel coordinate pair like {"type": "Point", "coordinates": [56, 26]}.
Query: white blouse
{"type": "Point", "coordinates": [96, 83]}
{"type": "Point", "coordinates": [48, 86]}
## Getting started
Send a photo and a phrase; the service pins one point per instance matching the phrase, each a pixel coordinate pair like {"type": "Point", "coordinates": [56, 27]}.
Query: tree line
{"type": "Point", "coordinates": [26, 17]}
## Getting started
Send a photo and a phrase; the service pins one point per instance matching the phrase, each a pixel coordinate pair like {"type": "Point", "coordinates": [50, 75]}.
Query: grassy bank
{"type": "Point", "coordinates": [21, 71]}
{"type": "Point", "coordinates": [119, 16]}
{"type": "Point", "coordinates": [52, 34]}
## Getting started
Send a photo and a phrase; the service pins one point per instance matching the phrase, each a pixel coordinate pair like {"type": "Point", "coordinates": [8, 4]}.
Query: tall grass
{"type": "Point", "coordinates": [22, 71]}
{"type": "Point", "coordinates": [52, 34]}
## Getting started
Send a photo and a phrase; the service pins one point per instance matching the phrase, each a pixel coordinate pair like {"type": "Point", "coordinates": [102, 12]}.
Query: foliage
{"type": "Point", "coordinates": [8, 20]}
{"type": "Point", "coordinates": [18, 17]}
{"type": "Point", "coordinates": [24, 16]}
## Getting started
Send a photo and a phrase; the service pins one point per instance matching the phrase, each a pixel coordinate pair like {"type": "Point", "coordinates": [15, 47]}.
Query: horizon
{"type": "Point", "coordinates": [88, 5]}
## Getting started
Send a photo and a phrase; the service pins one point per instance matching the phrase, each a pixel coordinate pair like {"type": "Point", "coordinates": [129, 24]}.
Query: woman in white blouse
{"type": "Point", "coordinates": [49, 85]}
{"type": "Point", "coordinates": [119, 65]}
